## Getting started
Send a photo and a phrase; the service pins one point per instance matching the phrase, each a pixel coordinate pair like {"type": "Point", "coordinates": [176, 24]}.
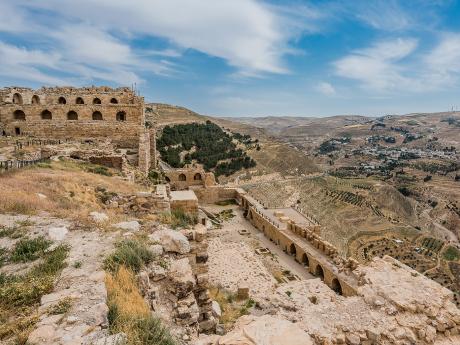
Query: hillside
{"type": "Point", "coordinates": [205, 143]}
{"type": "Point", "coordinates": [273, 157]}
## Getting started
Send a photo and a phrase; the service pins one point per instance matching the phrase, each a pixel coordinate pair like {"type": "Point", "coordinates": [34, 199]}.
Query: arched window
{"type": "Point", "coordinates": [46, 115]}
{"type": "Point", "coordinates": [62, 100]}
{"type": "Point", "coordinates": [114, 101]}
{"type": "Point", "coordinates": [182, 177]}
{"type": "Point", "coordinates": [336, 286]}
{"type": "Point", "coordinates": [319, 272]}
{"type": "Point", "coordinates": [19, 115]}
{"type": "Point", "coordinates": [305, 260]}
{"type": "Point", "coordinates": [17, 98]}
{"type": "Point", "coordinates": [35, 99]}
{"type": "Point", "coordinates": [72, 115]}
{"type": "Point", "coordinates": [197, 177]}
{"type": "Point", "coordinates": [97, 101]}
{"type": "Point", "coordinates": [97, 115]}
{"type": "Point", "coordinates": [121, 116]}
{"type": "Point", "coordinates": [79, 100]}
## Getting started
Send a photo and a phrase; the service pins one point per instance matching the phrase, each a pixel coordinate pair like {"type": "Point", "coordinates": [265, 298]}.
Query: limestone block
{"type": "Point", "coordinates": [181, 278]}
{"type": "Point", "coordinates": [216, 310]}
{"type": "Point", "coordinates": [98, 217]}
{"type": "Point", "coordinates": [132, 226]}
{"type": "Point", "coordinates": [57, 233]}
{"type": "Point", "coordinates": [172, 241]}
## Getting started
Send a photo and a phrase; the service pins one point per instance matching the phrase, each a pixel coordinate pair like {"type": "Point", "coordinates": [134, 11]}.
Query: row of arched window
{"type": "Point", "coordinates": [17, 99]}
{"type": "Point", "coordinates": [71, 115]}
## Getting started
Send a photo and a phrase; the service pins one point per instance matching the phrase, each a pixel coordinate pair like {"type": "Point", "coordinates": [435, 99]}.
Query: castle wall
{"type": "Point", "coordinates": [307, 247]}
{"type": "Point", "coordinates": [71, 113]}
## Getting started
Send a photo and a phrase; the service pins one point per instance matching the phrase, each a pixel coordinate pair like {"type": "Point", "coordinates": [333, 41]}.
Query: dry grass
{"type": "Point", "coordinates": [69, 190]}
{"type": "Point", "coordinates": [123, 292]}
{"type": "Point", "coordinates": [130, 314]}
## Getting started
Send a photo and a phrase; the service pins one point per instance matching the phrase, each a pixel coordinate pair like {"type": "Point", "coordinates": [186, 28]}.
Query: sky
{"type": "Point", "coordinates": [243, 57]}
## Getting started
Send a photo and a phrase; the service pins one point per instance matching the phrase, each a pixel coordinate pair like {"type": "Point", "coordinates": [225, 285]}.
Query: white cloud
{"type": "Point", "coordinates": [444, 60]}
{"type": "Point", "coordinates": [246, 33]}
{"type": "Point", "coordinates": [24, 64]}
{"type": "Point", "coordinates": [393, 66]}
{"type": "Point", "coordinates": [378, 67]}
{"type": "Point", "coordinates": [326, 89]}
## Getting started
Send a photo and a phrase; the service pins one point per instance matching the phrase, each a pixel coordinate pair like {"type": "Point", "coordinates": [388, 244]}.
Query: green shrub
{"type": "Point", "coordinates": [26, 290]}
{"type": "Point", "coordinates": [152, 332]}
{"type": "Point", "coordinates": [3, 256]}
{"type": "Point", "coordinates": [129, 253]}
{"type": "Point", "coordinates": [452, 254]}
{"type": "Point", "coordinates": [29, 249]}
{"type": "Point", "coordinates": [62, 307]}
{"type": "Point", "coordinates": [99, 169]}
{"type": "Point", "coordinates": [181, 219]}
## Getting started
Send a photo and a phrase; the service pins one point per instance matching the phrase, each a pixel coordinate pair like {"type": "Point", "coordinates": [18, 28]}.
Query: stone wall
{"type": "Point", "coordinates": [144, 151]}
{"type": "Point", "coordinates": [73, 113]}
{"type": "Point", "coordinates": [190, 175]}
{"type": "Point", "coordinates": [318, 256]}
{"type": "Point", "coordinates": [213, 194]}
{"type": "Point", "coordinates": [84, 114]}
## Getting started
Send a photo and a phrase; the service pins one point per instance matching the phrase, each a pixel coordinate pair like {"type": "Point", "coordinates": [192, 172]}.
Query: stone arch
{"type": "Point", "coordinates": [72, 115]}
{"type": "Point", "coordinates": [79, 100]}
{"type": "Point", "coordinates": [305, 260]}
{"type": "Point", "coordinates": [97, 100]}
{"type": "Point", "coordinates": [46, 115]}
{"type": "Point", "coordinates": [292, 249]}
{"type": "Point", "coordinates": [35, 99]}
{"type": "Point", "coordinates": [319, 272]}
{"type": "Point", "coordinates": [19, 115]}
{"type": "Point", "coordinates": [336, 286]}
{"type": "Point", "coordinates": [182, 177]}
{"type": "Point", "coordinates": [62, 100]}
{"type": "Point", "coordinates": [197, 177]}
{"type": "Point", "coordinates": [121, 116]}
{"type": "Point", "coordinates": [17, 98]}
{"type": "Point", "coordinates": [114, 101]}
{"type": "Point", "coordinates": [97, 115]}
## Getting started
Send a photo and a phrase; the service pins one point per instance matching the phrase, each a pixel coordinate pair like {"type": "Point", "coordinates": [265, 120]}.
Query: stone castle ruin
{"type": "Point", "coordinates": [80, 114]}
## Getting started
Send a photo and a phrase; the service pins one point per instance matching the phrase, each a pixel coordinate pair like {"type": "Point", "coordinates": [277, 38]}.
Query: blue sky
{"type": "Point", "coordinates": [243, 57]}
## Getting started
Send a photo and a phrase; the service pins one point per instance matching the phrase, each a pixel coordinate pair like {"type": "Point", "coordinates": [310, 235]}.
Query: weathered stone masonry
{"type": "Point", "coordinates": [78, 114]}
{"type": "Point", "coordinates": [304, 243]}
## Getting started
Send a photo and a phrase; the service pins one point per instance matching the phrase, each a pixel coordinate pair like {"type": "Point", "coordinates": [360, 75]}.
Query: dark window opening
{"type": "Point", "coordinates": [197, 177]}
{"type": "Point", "coordinates": [19, 115]}
{"type": "Point", "coordinates": [114, 101]}
{"type": "Point", "coordinates": [97, 115]}
{"type": "Point", "coordinates": [97, 101]}
{"type": "Point", "coordinates": [79, 100]}
{"type": "Point", "coordinates": [17, 130]}
{"type": "Point", "coordinates": [35, 99]}
{"type": "Point", "coordinates": [319, 272]}
{"type": "Point", "coordinates": [121, 116]}
{"type": "Point", "coordinates": [182, 177]}
{"type": "Point", "coordinates": [17, 98]}
{"type": "Point", "coordinates": [46, 115]}
{"type": "Point", "coordinates": [62, 100]}
{"type": "Point", "coordinates": [335, 285]}
{"type": "Point", "coordinates": [72, 115]}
